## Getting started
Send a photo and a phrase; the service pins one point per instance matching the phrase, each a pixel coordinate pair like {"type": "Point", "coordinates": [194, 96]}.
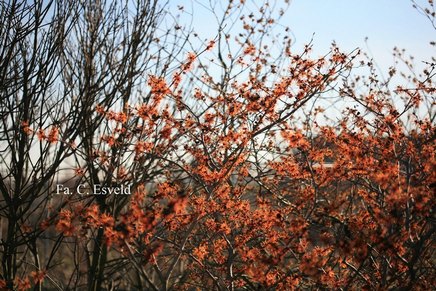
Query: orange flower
{"type": "Point", "coordinates": [189, 62]}
{"type": "Point", "coordinates": [22, 284]}
{"type": "Point", "coordinates": [177, 78]}
{"type": "Point", "coordinates": [225, 228]}
{"type": "Point", "coordinates": [99, 109]}
{"type": "Point", "coordinates": [53, 135]}
{"type": "Point", "coordinates": [41, 134]}
{"type": "Point", "coordinates": [38, 276]}
{"type": "Point", "coordinates": [79, 171]}
{"type": "Point", "coordinates": [210, 45]}
{"type": "Point", "coordinates": [166, 131]}
{"type": "Point", "coordinates": [92, 215]}
{"type": "Point", "coordinates": [121, 117]}
{"type": "Point", "coordinates": [158, 85]}
{"type": "Point", "coordinates": [110, 140]}
{"type": "Point", "coordinates": [64, 224]}
{"type": "Point", "coordinates": [106, 220]}
{"type": "Point", "coordinates": [200, 252]}
{"type": "Point", "coordinates": [143, 146]}
{"type": "Point", "coordinates": [191, 57]}
{"type": "Point", "coordinates": [250, 50]}
{"type": "Point", "coordinates": [26, 128]}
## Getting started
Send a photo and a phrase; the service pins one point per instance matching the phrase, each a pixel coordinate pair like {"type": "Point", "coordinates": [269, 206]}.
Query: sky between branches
{"type": "Point", "coordinates": [386, 23]}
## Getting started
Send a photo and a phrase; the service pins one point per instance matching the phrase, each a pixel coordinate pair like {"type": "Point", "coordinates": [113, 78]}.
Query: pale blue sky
{"type": "Point", "coordinates": [386, 23]}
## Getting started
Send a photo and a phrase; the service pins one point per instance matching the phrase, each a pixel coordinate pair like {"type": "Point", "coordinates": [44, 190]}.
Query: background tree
{"type": "Point", "coordinates": [111, 51]}
{"type": "Point", "coordinates": [32, 118]}
{"type": "Point", "coordinates": [61, 61]}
